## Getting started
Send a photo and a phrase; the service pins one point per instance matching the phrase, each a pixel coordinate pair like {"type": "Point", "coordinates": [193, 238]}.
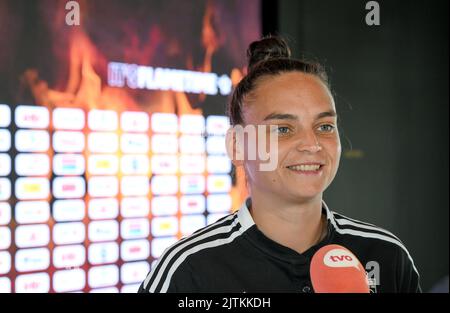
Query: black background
{"type": "Point", "coordinates": [391, 91]}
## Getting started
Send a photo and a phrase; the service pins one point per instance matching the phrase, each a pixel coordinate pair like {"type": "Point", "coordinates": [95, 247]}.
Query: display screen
{"type": "Point", "coordinates": [112, 135]}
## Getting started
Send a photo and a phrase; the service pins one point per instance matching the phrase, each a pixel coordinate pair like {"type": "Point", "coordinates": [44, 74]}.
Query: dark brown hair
{"type": "Point", "coordinates": [266, 57]}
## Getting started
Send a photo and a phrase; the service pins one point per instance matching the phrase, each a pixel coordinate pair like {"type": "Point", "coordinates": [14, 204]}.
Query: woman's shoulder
{"type": "Point", "coordinates": [370, 239]}
{"type": "Point", "coordinates": [174, 267]}
{"type": "Point", "coordinates": [350, 226]}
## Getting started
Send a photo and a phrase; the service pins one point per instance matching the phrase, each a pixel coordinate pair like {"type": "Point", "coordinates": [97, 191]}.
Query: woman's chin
{"type": "Point", "coordinates": [303, 195]}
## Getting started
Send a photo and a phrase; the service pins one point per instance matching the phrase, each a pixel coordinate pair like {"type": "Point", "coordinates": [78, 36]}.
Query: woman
{"type": "Point", "coordinates": [267, 245]}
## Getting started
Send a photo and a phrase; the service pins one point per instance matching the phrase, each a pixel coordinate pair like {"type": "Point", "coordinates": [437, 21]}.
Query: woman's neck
{"type": "Point", "coordinates": [296, 225]}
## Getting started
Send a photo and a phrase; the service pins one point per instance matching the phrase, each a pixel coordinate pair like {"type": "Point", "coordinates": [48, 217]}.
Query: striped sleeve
{"type": "Point", "coordinates": [408, 276]}
{"type": "Point", "coordinates": [345, 225]}
{"type": "Point", "coordinates": [181, 281]}
{"type": "Point", "coordinates": [172, 272]}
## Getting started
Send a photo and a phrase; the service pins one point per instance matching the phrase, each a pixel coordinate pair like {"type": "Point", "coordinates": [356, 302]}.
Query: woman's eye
{"type": "Point", "coordinates": [282, 130]}
{"type": "Point", "coordinates": [326, 128]}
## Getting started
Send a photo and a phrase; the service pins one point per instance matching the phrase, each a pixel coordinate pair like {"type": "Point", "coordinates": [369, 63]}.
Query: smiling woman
{"type": "Point", "coordinates": [267, 245]}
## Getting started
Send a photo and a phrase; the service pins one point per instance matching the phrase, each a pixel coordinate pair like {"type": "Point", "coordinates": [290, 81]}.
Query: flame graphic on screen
{"type": "Point", "coordinates": [84, 88]}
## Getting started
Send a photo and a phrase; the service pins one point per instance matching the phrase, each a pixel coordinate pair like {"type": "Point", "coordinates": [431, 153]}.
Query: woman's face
{"type": "Point", "coordinates": [303, 111]}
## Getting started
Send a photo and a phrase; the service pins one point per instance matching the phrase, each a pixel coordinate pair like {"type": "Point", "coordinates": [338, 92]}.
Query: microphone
{"type": "Point", "coordinates": [334, 269]}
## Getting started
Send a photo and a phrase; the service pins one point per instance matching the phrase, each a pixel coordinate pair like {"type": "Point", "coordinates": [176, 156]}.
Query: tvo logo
{"type": "Point", "coordinates": [340, 258]}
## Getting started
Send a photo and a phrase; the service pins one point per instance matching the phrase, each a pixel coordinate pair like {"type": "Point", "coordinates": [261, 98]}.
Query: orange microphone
{"type": "Point", "coordinates": [334, 269]}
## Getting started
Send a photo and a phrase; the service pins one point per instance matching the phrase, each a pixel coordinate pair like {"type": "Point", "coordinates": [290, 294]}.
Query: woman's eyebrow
{"type": "Point", "coordinates": [280, 116]}
{"type": "Point", "coordinates": [287, 116]}
{"type": "Point", "coordinates": [330, 113]}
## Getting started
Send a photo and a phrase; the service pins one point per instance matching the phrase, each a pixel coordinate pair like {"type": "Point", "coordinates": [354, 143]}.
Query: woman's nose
{"type": "Point", "coordinates": [307, 142]}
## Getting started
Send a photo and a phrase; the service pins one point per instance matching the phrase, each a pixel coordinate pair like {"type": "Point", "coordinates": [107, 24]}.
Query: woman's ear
{"type": "Point", "coordinates": [234, 150]}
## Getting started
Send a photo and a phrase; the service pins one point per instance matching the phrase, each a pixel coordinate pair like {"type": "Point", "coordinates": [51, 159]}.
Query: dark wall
{"type": "Point", "coordinates": [391, 91]}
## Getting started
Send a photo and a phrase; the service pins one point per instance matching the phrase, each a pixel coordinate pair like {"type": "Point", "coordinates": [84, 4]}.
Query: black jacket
{"type": "Point", "coordinates": [232, 255]}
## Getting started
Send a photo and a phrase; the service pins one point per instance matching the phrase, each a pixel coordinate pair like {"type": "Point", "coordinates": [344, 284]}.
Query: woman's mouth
{"type": "Point", "coordinates": [306, 169]}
